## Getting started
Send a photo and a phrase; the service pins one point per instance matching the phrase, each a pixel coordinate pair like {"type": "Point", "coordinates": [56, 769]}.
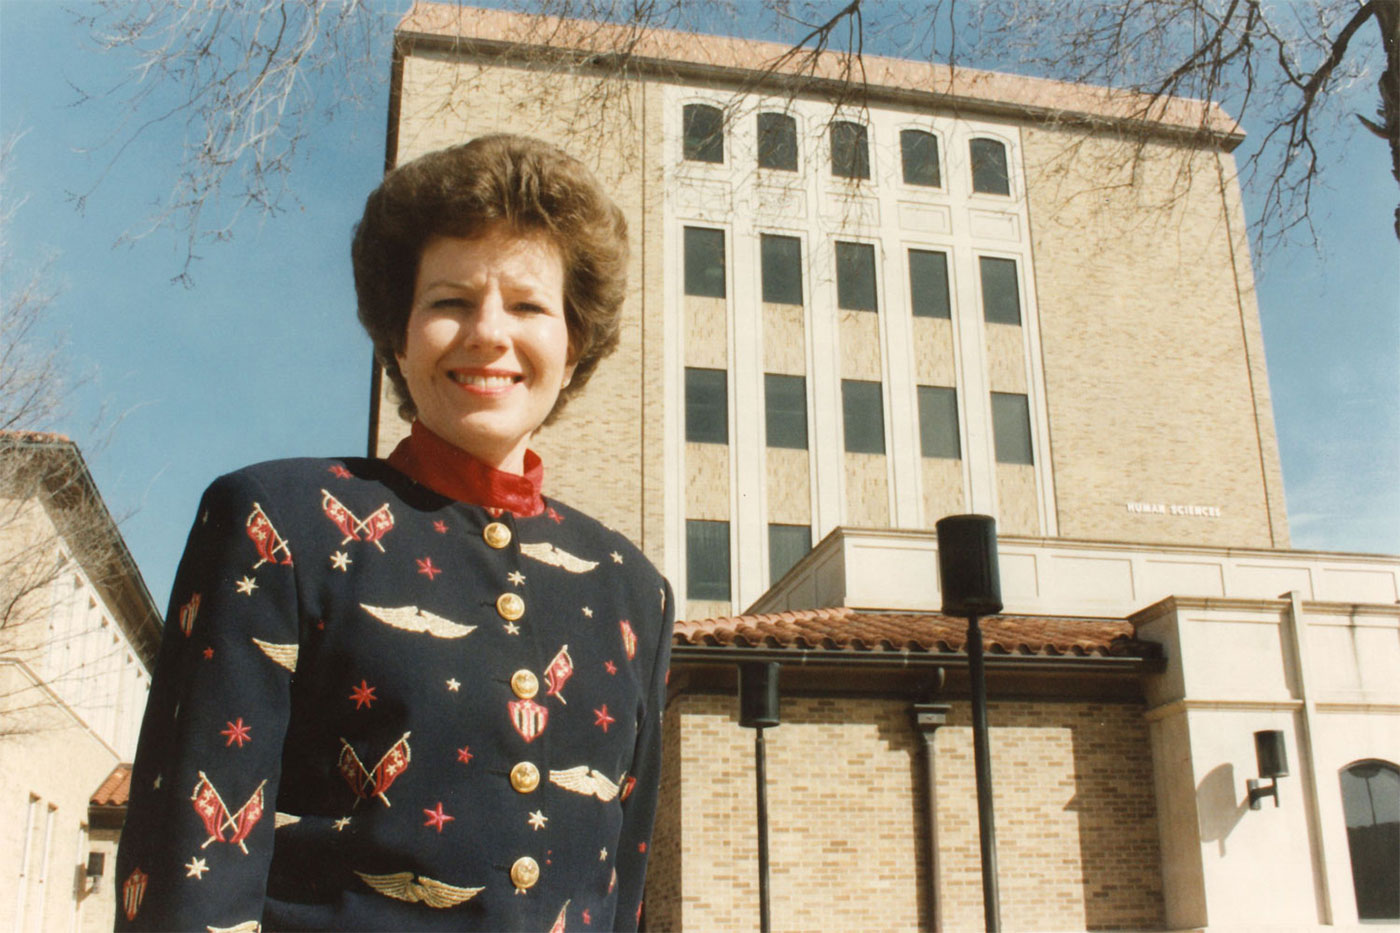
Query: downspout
{"type": "Point", "coordinates": [927, 717]}
{"type": "Point", "coordinates": [1307, 761]}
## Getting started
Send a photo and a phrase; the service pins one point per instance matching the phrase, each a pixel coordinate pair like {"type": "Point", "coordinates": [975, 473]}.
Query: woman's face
{"type": "Point", "coordinates": [487, 347]}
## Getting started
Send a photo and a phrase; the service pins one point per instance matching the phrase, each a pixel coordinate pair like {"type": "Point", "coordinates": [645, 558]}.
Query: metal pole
{"type": "Point", "coordinates": [982, 759]}
{"type": "Point", "coordinates": [761, 767]}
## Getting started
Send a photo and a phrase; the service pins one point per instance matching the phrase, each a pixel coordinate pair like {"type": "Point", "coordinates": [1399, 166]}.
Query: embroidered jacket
{"type": "Point", "coordinates": [380, 708]}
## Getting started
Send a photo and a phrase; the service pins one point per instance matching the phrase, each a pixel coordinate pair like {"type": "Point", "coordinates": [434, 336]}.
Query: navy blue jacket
{"type": "Point", "coordinates": [377, 708]}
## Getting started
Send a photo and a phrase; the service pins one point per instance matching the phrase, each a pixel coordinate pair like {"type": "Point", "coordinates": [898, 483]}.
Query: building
{"type": "Point", "coordinates": [856, 309]}
{"type": "Point", "coordinates": [78, 633]}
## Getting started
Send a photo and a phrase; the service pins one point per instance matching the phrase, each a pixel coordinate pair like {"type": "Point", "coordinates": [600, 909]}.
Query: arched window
{"type": "Point", "coordinates": [703, 133]}
{"type": "Point", "coordinates": [919, 152]}
{"type": "Point", "coordinates": [777, 141]}
{"type": "Point", "coordinates": [1371, 805]}
{"type": "Point", "coordinates": [850, 153]}
{"type": "Point", "coordinates": [989, 175]}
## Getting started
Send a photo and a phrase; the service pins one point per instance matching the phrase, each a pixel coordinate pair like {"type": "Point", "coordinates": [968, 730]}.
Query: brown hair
{"type": "Point", "coordinates": [461, 191]}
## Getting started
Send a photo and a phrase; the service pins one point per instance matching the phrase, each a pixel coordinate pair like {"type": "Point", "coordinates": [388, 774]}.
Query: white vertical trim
{"type": "Point", "coordinates": [43, 883]}
{"type": "Point", "coordinates": [75, 920]}
{"type": "Point", "coordinates": [22, 891]}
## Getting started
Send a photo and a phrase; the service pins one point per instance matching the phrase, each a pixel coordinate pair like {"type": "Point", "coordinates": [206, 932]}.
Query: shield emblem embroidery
{"type": "Point", "coordinates": [133, 890]}
{"type": "Point", "coordinates": [528, 717]}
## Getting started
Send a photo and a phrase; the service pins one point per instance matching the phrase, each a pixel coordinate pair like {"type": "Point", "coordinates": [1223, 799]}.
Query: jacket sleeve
{"type": "Point", "coordinates": [199, 832]}
{"type": "Point", "coordinates": [639, 809]}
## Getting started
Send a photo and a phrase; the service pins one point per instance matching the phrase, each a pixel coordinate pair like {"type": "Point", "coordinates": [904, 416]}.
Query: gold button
{"type": "Point", "coordinates": [496, 535]}
{"type": "Point", "coordinates": [524, 683]}
{"type": "Point", "coordinates": [510, 606]}
{"type": "Point", "coordinates": [525, 872]}
{"type": "Point", "coordinates": [525, 777]}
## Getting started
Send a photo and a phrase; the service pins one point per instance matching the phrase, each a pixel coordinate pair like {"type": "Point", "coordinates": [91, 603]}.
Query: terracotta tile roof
{"type": "Point", "coordinates": [115, 790]}
{"type": "Point", "coordinates": [851, 630]}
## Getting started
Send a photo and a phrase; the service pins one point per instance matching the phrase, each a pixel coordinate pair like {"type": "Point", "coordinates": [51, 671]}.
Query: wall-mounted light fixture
{"type": "Point", "coordinates": [96, 865]}
{"type": "Point", "coordinates": [1272, 756]}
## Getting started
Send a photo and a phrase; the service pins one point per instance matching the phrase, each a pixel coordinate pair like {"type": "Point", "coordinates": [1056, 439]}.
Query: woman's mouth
{"type": "Point", "coordinates": [477, 380]}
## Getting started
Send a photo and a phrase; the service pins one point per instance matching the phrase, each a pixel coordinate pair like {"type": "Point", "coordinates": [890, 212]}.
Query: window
{"type": "Point", "coordinates": [919, 150]}
{"type": "Point", "coordinates": [706, 560]}
{"type": "Point", "coordinates": [1371, 807]}
{"type": "Point", "coordinates": [1001, 300]}
{"type": "Point", "coordinates": [777, 141]}
{"type": "Point", "coordinates": [855, 276]}
{"type": "Point", "coordinates": [785, 408]}
{"type": "Point", "coordinates": [704, 262]}
{"type": "Point", "coordinates": [864, 415]}
{"type": "Point", "coordinates": [786, 545]}
{"type": "Point", "coordinates": [1011, 425]}
{"type": "Point", "coordinates": [928, 284]}
{"type": "Point", "coordinates": [938, 423]}
{"type": "Point", "coordinates": [706, 406]}
{"type": "Point", "coordinates": [850, 156]}
{"type": "Point", "coordinates": [781, 258]}
{"type": "Point", "coordinates": [989, 174]}
{"type": "Point", "coordinates": [703, 133]}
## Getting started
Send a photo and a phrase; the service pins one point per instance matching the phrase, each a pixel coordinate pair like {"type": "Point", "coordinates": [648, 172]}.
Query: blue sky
{"type": "Point", "coordinates": [263, 358]}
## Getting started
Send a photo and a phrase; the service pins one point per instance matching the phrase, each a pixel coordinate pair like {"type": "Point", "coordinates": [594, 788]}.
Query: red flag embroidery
{"type": "Point", "coordinates": [627, 787]}
{"type": "Point", "coordinates": [629, 639]}
{"type": "Point", "coordinates": [365, 783]}
{"type": "Point", "coordinates": [529, 718]}
{"type": "Point", "coordinates": [133, 892]}
{"type": "Point", "coordinates": [216, 818]}
{"type": "Point", "coordinates": [376, 526]}
{"type": "Point", "coordinates": [187, 613]}
{"type": "Point", "coordinates": [558, 674]}
{"type": "Point", "coordinates": [266, 539]}
{"type": "Point", "coordinates": [559, 920]}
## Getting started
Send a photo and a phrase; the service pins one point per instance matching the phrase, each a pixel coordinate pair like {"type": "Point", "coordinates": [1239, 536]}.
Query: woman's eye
{"type": "Point", "coordinates": [449, 303]}
{"type": "Point", "coordinates": [529, 306]}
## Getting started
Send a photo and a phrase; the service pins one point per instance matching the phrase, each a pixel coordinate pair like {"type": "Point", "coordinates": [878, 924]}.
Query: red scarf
{"type": "Point", "coordinates": [428, 459]}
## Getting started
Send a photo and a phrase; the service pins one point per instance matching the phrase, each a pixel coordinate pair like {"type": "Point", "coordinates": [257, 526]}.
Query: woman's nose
{"type": "Point", "coordinates": [487, 326]}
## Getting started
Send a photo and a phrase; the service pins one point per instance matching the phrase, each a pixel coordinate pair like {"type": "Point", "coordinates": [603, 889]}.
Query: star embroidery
{"type": "Point", "coordinates": [341, 561]}
{"type": "Point", "coordinates": [641, 847]}
{"type": "Point", "coordinates": [453, 684]}
{"type": "Point", "coordinates": [436, 818]}
{"type": "Point", "coordinates": [549, 510]}
{"type": "Point", "coordinates": [610, 666]}
{"type": "Point", "coordinates": [588, 612]}
{"type": "Point", "coordinates": [341, 823]}
{"type": "Point", "coordinates": [237, 732]}
{"type": "Point", "coordinates": [604, 719]}
{"type": "Point", "coordinates": [603, 854]}
{"type": "Point", "coordinates": [511, 628]}
{"type": "Point", "coordinates": [204, 519]}
{"type": "Point", "coordinates": [516, 577]}
{"type": "Point", "coordinates": [537, 820]}
{"type": "Point", "coordinates": [426, 568]}
{"type": "Point", "coordinates": [195, 868]}
{"type": "Point", "coordinates": [464, 754]}
{"type": "Point", "coordinates": [440, 527]}
{"type": "Point", "coordinates": [246, 586]}
{"type": "Point", "coordinates": [363, 695]}
{"type": "Point", "coordinates": [587, 920]}
{"type": "Point", "coordinates": [208, 653]}
{"type": "Point", "coordinates": [617, 558]}
{"type": "Point", "coordinates": [155, 785]}
{"type": "Point", "coordinates": [341, 472]}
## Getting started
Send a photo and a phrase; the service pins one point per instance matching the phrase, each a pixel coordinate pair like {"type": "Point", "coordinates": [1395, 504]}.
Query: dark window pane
{"type": "Point", "coordinates": [777, 141]}
{"type": "Point", "coordinates": [706, 560]}
{"type": "Point", "coordinates": [855, 276]}
{"type": "Point", "coordinates": [989, 167]}
{"type": "Point", "coordinates": [786, 545]}
{"type": "Point", "coordinates": [703, 133]}
{"type": "Point", "coordinates": [1001, 303]}
{"type": "Point", "coordinates": [782, 269]}
{"type": "Point", "coordinates": [850, 156]}
{"type": "Point", "coordinates": [1371, 807]}
{"type": "Point", "coordinates": [1011, 425]}
{"type": "Point", "coordinates": [928, 283]}
{"type": "Point", "coordinates": [919, 151]}
{"type": "Point", "coordinates": [938, 423]}
{"type": "Point", "coordinates": [864, 417]}
{"type": "Point", "coordinates": [785, 404]}
{"type": "Point", "coordinates": [706, 406]}
{"type": "Point", "coordinates": [704, 262]}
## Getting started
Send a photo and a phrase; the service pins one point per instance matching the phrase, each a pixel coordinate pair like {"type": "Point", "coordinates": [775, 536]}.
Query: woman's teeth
{"type": "Point", "coordinates": [483, 382]}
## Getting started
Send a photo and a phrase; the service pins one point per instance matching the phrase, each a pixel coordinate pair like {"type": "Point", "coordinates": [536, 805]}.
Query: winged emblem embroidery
{"type": "Point", "coordinates": [247, 926]}
{"type": "Point", "coordinates": [217, 818]}
{"type": "Point", "coordinates": [266, 539]}
{"type": "Point", "coordinates": [583, 780]}
{"type": "Point", "coordinates": [280, 819]}
{"type": "Point", "coordinates": [282, 655]}
{"type": "Point", "coordinates": [375, 526]}
{"type": "Point", "coordinates": [546, 553]}
{"type": "Point", "coordinates": [413, 619]}
{"type": "Point", "coordinates": [401, 886]}
{"type": "Point", "coordinates": [365, 783]}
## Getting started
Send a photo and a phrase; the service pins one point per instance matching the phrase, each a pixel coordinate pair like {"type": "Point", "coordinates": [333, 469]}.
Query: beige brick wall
{"type": "Point", "coordinates": [933, 352]}
{"type": "Point", "coordinates": [943, 488]}
{"type": "Point", "coordinates": [789, 486]}
{"type": "Point", "coordinates": [707, 481]}
{"type": "Point", "coordinates": [1006, 359]}
{"type": "Point", "coordinates": [706, 333]}
{"type": "Point", "coordinates": [1144, 331]}
{"type": "Point", "coordinates": [867, 491]}
{"type": "Point", "coordinates": [1017, 506]}
{"type": "Point", "coordinates": [784, 339]}
{"type": "Point", "coordinates": [859, 333]}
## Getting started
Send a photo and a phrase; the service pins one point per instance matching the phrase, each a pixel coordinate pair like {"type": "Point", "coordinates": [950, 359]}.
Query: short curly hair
{"type": "Point", "coordinates": [527, 184]}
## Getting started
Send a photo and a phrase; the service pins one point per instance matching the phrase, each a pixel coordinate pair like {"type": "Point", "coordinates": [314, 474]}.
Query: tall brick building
{"type": "Point", "coordinates": [856, 310]}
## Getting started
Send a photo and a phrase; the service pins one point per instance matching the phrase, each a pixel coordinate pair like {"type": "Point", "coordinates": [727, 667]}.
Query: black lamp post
{"type": "Point", "coordinates": [971, 584]}
{"type": "Point", "coordinates": [758, 710]}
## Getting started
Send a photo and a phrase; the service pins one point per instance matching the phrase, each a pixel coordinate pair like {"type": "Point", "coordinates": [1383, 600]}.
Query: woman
{"type": "Point", "coordinates": [414, 693]}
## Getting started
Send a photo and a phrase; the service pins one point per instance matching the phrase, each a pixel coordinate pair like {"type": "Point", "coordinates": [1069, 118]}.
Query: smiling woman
{"type": "Point", "coordinates": [438, 607]}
